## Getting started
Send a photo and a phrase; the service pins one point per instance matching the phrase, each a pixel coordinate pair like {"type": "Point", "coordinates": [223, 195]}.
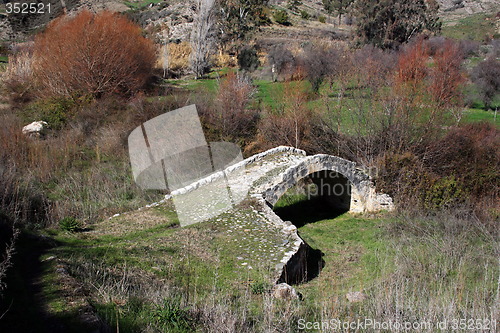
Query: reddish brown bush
{"type": "Point", "coordinates": [458, 169]}
{"type": "Point", "coordinates": [94, 54]}
{"type": "Point", "coordinates": [447, 75]}
{"type": "Point", "coordinates": [412, 67]}
{"type": "Point", "coordinates": [471, 153]}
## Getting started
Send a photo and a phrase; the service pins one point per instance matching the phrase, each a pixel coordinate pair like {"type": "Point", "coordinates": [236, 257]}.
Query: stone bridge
{"type": "Point", "coordinates": [265, 177]}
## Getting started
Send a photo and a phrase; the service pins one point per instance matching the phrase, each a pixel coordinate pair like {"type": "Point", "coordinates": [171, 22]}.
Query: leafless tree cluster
{"type": "Point", "coordinates": [202, 37]}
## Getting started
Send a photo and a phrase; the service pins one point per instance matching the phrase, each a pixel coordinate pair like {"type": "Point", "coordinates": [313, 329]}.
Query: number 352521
{"type": "Point", "coordinates": [27, 8]}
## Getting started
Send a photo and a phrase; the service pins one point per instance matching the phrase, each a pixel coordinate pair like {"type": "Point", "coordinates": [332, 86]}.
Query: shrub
{"type": "Point", "coordinates": [471, 152]}
{"type": "Point", "coordinates": [486, 76]}
{"type": "Point", "coordinates": [444, 192]}
{"type": "Point", "coordinates": [259, 287]}
{"type": "Point", "coordinates": [55, 111]}
{"type": "Point", "coordinates": [171, 315]}
{"type": "Point", "coordinates": [319, 62]}
{"type": "Point", "coordinates": [70, 224]}
{"type": "Point", "coordinates": [458, 168]}
{"type": "Point", "coordinates": [305, 15]}
{"type": "Point", "coordinates": [294, 4]}
{"type": "Point", "coordinates": [391, 23]}
{"type": "Point", "coordinates": [232, 119]}
{"type": "Point", "coordinates": [412, 63]}
{"type": "Point", "coordinates": [374, 65]}
{"type": "Point", "coordinates": [248, 59]}
{"type": "Point", "coordinates": [282, 59]}
{"type": "Point", "coordinates": [95, 54]}
{"type": "Point", "coordinates": [281, 17]}
{"type": "Point", "coordinates": [18, 76]}
{"type": "Point", "coordinates": [469, 47]}
{"type": "Point", "coordinates": [291, 123]}
{"type": "Point", "coordinates": [434, 44]}
{"type": "Point", "coordinates": [322, 19]}
{"type": "Point", "coordinates": [8, 237]}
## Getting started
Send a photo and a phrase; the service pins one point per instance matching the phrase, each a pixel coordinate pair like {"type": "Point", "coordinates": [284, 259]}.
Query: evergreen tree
{"type": "Point", "coordinates": [238, 17]}
{"type": "Point", "coordinates": [338, 6]}
{"type": "Point", "coordinates": [389, 23]}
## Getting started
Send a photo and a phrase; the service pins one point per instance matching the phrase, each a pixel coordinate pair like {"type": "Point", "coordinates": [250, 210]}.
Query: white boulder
{"type": "Point", "coordinates": [36, 128]}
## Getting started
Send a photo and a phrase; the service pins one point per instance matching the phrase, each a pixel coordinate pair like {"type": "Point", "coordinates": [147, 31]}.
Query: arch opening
{"type": "Point", "coordinates": [319, 196]}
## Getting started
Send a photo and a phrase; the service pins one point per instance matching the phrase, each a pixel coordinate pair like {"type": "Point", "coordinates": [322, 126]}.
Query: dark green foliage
{"type": "Point", "coordinates": [443, 193]}
{"type": "Point", "coordinates": [305, 15]}
{"type": "Point", "coordinates": [248, 59]}
{"type": "Point", "coordinates": [338, 6]}
{"type": "Point", "coordinates": [281, 17]}
{"type": "Point", "coordinates": [322, 19]}
{"type": "Point", "coordinates": [70, 224]}
{"type": "Point", "coordinates": [259, 287]}
{"type": "Point", "coordinates": [55, 111]}
{"type": "Point", "coordinates": [390, 23]}
{"type": "Point", "coordinates": [172, 316]}
{"type": "Point", "coordinates": [236, 26]}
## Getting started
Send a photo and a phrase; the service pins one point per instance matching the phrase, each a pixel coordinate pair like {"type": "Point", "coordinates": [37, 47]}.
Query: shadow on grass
{"type": "Point", "coordinates": [308, 211]}
{"type": "Point", "coordinates": [24, 304]}
{"type": "Point", "coordinates": [307, 263]}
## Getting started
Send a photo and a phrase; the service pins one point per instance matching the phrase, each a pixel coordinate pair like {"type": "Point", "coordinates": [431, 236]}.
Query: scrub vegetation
{"type": "Point", "coordinates": [417, 107]}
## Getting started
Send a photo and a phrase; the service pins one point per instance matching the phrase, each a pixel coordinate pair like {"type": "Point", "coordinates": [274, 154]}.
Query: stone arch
{"type": "Point", "coordinates": [362, 197]}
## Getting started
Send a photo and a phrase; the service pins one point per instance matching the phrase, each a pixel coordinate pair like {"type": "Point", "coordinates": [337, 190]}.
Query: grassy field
{"type": "Point", "coordinates": [272, 96]}
{"type": "Point", "coordinates": [130, 268]}
{"type": "Point", "coordinates": [475, 115]}
{"type": "Point", "coordinates": [479, 27]}
{"type": "Point", "coordinates": [141, 270]}
{"type": "Point", "coordinates": [409, 266]}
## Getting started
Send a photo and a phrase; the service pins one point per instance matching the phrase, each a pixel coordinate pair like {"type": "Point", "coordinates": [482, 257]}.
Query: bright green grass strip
{"type": "Point", "coordinates": [475, 27]}
{"type": "Point", "coordinates": [352, 246]}
{"type": "Point", "coordinates": [477, 115]}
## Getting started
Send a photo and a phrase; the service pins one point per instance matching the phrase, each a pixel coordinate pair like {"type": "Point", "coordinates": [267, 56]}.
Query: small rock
{"type": "Point", "coordinates": [285, 291]}
{"type": "Point", "coordinates": [355, 296]}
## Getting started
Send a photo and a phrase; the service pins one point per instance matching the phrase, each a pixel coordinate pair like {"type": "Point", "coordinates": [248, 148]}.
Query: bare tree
{"type": "Point", "coordinates": [165, 56]}
{"type": "Point", "coordinates": [202, 37]}
{"type": "Point", "coordinates": [164, 59]}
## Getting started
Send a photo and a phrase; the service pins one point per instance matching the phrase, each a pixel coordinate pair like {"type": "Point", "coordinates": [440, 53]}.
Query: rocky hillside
{"type": "Point", "coordinates": [454, 9]}
{"type": "Point", "coordinates": [19, 26]}
{"type": "Point", "coordinates": [177, 16]}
